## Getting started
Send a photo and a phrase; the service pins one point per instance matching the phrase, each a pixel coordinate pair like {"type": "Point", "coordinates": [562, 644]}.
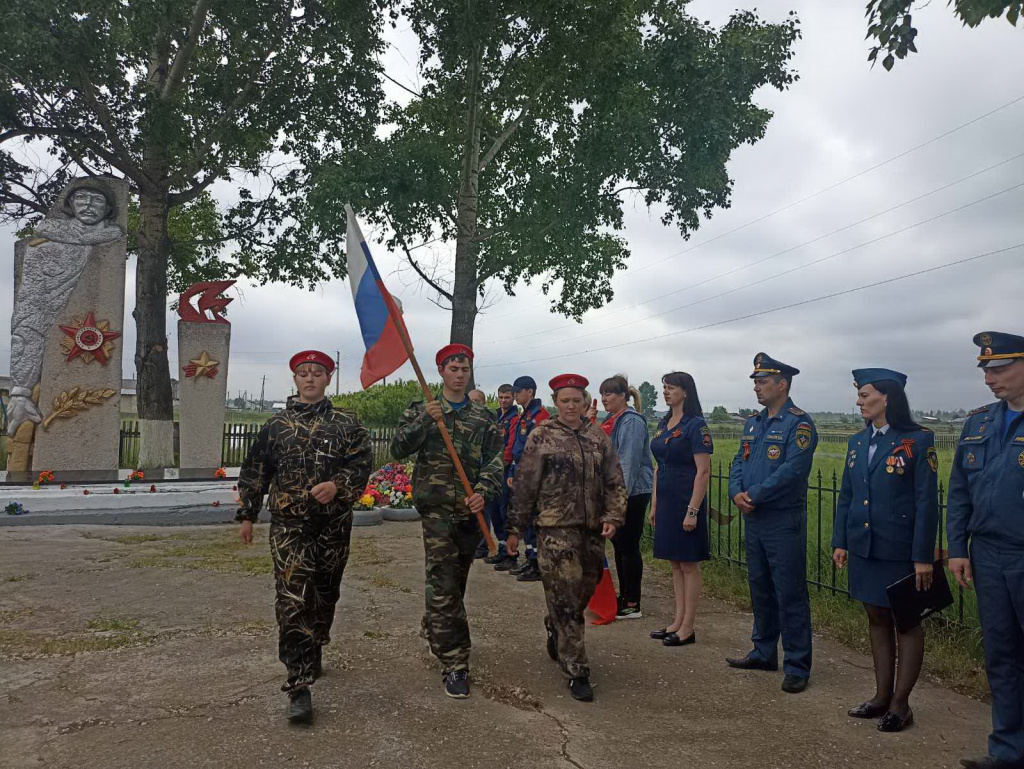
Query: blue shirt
{"type": "Point", "coordinates": [774, 460]}
{"type": "Point", "coordinates": [1008, 418]}
{"type": "Point", "coordinates": [986, 485]}
{"type": "Point", "coordinates": [460, 404]}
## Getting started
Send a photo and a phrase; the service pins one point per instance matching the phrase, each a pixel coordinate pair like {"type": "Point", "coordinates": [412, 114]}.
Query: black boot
{"type": "Point", "coordinates": [580, 689]}
{"type": "Point", "coordinates": [300, 706]}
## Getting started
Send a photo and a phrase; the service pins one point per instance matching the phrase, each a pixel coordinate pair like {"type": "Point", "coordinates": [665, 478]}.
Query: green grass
{"type": "Point", "coordinates": [222, 552]}
{"type": "Point", "coordinates": [111, 624]}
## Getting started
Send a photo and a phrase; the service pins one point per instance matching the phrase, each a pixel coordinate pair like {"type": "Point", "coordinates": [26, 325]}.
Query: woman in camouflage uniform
{"type": "Point", "coordinates": [570, 477]}
{"type": "Point", "coordinates": [315, 461]}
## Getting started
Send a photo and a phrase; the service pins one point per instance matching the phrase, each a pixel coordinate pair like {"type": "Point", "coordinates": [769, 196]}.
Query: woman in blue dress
{"type": "Point", "coordinates": [885, 529]}
{"type": "Point", "coordinates": [682, 447]}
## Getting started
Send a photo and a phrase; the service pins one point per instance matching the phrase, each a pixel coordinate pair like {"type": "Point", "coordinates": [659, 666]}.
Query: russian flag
{"type": "Point", "coordinates": [380, 318]}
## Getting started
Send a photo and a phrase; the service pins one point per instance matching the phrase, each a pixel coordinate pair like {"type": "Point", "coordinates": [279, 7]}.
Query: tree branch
{"type": "Point", "coordinates": [86, 141]}
{"type": "Point", "coordinates": [408, 255]}
{"type": "Point", "coordinates": [11, 198]}
{"type": "Point", "coordinates": [417, 94]}
{"type": "Point", "coordinates": [105, 119]}
{"type": "Point", "coordinates": [184, 55]}
{"type": "Point", "coordinates": [505, 135]}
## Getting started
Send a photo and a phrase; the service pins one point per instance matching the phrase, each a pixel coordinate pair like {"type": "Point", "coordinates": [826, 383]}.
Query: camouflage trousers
{"type": "Point", "coordinates": [571, 562]}
{"type": "Point", "coordinates": [309, 559]}
{"type": "Point", "coordinates": [449, 541]}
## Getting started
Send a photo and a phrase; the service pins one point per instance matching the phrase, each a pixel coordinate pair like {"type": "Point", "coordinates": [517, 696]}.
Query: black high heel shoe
{"type": "Point", "coordinates": [673, 639]}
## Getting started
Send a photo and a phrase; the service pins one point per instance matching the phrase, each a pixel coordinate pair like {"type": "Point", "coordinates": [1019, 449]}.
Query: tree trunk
{"type": "Point", "coordinates": [155, 401]}
{"type": "Point", "coordinates": [464, 290]}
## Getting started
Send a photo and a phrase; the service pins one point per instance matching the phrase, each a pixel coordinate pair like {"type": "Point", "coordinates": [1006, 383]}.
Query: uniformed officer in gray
{"type": "Point", "coordinates": [986, 513]}
{"type": "Point", "coordinates": [768, 483]}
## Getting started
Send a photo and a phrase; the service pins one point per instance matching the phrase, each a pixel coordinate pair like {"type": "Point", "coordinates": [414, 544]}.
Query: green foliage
{"type": "Point", "coordinates": [177, 95]}
{"type": "Point", "coordinates": [536, 120]}
{"type": "Point", "coordinates": [720, 414]}
{"type": "Point", "coordinates": [648, 398]}
{"type": "Point", "coordinates": [382, 404]}
{"type": "Point", "coordinates": [890, 23]}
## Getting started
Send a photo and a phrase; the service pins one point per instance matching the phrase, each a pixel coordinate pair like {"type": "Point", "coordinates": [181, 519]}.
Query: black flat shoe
{"type": "Point", "coordinates": [891, 722]}
{"type": "Point", "coordinates": [794, 684]}
{"type": "Point", "coordinates": [867, 710]}
{"type": "Point", "coordinates": [673, 639]}
{"type": "Point", "coordinates": [749, 663]}
{"type": "Point", "coordinates": [657, 635]}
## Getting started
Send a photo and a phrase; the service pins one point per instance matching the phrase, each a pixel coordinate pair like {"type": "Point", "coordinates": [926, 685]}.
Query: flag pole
{"type": "Point", "coordinates": [445, 436]}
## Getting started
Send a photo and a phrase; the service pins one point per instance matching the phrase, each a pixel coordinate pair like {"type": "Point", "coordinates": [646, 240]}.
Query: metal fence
{"type": "Point", "coordinates": [727, 543]}
{"type": "Point", "coordinates": [238, 439]}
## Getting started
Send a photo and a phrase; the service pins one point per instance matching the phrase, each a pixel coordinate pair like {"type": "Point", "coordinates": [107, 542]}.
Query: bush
{"type": "Point", "coordinates": [382, 404]}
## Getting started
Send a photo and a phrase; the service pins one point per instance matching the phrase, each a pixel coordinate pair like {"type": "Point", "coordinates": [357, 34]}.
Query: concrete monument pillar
{"type": "Point", "coordinates": [66, 336]}
{"type": "Point", "coordinates": [204, 337]}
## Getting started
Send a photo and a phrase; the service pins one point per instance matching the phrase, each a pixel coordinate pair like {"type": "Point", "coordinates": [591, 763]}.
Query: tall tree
{"type": "Point", "coordinates": [648, 398]}
{"type": "Point", "coordinates": [175, 95]}
{"type": "Point", "coordinates": [534, 123]}
{"type": "Point", "coordinates": [890, 23]}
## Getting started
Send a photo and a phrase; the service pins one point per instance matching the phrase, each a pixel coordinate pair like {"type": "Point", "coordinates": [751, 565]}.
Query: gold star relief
{"type": "Point", "coordinates": [204, 365]}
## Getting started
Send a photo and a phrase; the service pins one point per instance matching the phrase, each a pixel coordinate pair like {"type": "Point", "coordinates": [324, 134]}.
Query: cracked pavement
{"type": "Point", "coordinates": [180, 670]}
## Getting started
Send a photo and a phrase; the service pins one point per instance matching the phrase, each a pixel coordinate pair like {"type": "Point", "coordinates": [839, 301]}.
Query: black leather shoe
{"type": "Point", "coordinates": [515, 571]}
{"type": "Point", "coordinates": [552, 643]}
{"type": "Point", "coordinates": [530, 574]}
{"type": "Point", "coordinates": [751, 663]}
{"type": "Point", "coordinates": [581, 690]}
{"type": "Point", "coordinates": [673, 639]}
{"type": "Point", "coordinates": [300, 707]}
{"type": "Point", "coordinates": [891, 722]}
{"type": "Point", "coordinates": [867, 710]}
{"type": "Point", "coordinates": [658, 635]}
{"type": "Point", "coordinates": [794, 684]}
{"type": "Point", "coordinates": [507, 563]}
{"type": "Point", "coordinates": [498, 557]}
{"type": "Point", "coordinates": [990, 762]}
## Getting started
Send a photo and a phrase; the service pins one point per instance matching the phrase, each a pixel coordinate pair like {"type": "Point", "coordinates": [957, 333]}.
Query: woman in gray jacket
{"type": "Point", "coordinates": [628, 430]}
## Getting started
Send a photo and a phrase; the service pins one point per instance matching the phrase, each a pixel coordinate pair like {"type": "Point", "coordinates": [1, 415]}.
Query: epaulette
{"type": "Point", "coordinates": [798, 412]}
{"type": "Point", "coordinates": [979, 410]}
{"type": "Point", "coordinates": [926, 429]}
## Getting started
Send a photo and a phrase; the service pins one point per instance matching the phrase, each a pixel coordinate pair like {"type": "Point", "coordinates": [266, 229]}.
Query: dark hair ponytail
{"type": "Point", "coordinates": [897, 407]}
{"type": "Point", "coordinates": [691, 405]}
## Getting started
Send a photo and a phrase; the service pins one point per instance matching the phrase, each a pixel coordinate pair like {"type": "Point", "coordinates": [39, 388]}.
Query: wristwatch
{"type": "Point", "coordinates": [692, 512]}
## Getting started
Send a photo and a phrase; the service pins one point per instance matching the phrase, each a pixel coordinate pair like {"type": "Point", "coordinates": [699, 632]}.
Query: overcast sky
{"type": "Point", "coordinates": [671, 310]}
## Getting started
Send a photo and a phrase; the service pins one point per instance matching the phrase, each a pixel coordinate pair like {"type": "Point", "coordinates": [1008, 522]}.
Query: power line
{"type": "Point", "coordinates": [771, 256]}
{"type": "Point", "coordinates": [791, 270]}
{"type": "Point", "coordinates": [813, 195]}
{"type": "Point", "coordinates": [748, 316]}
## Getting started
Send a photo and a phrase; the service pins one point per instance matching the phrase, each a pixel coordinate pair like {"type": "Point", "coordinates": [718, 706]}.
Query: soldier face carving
{"type": "Point", "coordinates": [90, 207]}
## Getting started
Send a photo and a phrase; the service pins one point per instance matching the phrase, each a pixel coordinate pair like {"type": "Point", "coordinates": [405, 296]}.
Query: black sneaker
{"type": "Point", "coordinates": [300, 706]}
{"type": "Point", "coordinates": [507, 563]}
{"type": "Point", "coordinates": [497, 558]}
{"type": "Point", "coordinates": [552, 643]}
{"type": "Point", "coordinates": [580, 689]}
{"type": "Point", "coordinates": [629, 611]}
{"type": "Point", "coordinates": [456, 684]}
{"type": "Point", "coordinates": [530, 574]}
{"type": "Point", "coordinates": [520, 568]}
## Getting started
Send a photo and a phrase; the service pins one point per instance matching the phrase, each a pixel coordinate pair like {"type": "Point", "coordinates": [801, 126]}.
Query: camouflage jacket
{"type": "Point", "coordinates": [477, 439]}
{"type": "Point", "coordinates": [306, 444]}
{"type": "Point", "coordinates": [568, 478]}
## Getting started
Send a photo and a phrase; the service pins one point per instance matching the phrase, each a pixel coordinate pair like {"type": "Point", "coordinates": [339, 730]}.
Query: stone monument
{"type": "Point", "coordinates": [69, 279]}
{"type": "Point", "coordinates": [204, 338]}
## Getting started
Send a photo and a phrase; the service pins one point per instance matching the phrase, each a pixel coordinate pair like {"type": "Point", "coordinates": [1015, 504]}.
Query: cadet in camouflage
{"type": "Point", "coordinates": [569, 476]}
{"type": "Point", "coordinates": [450, 530]}
{"type": "Point", "coordinates": [314, 460]}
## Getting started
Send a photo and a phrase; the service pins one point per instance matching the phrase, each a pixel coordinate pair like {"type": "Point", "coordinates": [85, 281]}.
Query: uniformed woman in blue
{"type": "Point", "coordinates": [885, 529]}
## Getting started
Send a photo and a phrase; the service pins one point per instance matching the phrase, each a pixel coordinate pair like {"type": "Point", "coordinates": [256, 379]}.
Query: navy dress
{"type": "Point", "coordinates": [888, 512]}
{"type": "Point", "coordinates": [674, 451]}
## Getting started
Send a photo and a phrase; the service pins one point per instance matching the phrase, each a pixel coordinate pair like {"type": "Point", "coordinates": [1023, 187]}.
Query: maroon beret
{"type": "Point", "coordinates": [569, 380]}
{"type": "Point", "coordinates": [451, 350]}
{"type": "Point", "coordinates": [312, 356]}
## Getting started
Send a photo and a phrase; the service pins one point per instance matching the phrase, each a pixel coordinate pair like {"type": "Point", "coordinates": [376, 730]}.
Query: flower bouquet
{"type": "Point", "coordinates": [15, 508]}
{"type": "Point", "coordinates": [394, 486]}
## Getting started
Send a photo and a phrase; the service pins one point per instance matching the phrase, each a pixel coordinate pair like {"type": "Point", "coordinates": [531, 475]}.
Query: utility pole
{"type": "Point", "coordinates": [337, 373]}
{"type": "Point", "coordinates": [262, 386]}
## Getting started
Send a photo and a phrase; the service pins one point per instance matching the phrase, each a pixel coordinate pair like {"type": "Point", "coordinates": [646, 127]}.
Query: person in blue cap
{"type": "Point", "coordinates": [885, 527]}
{"type": "Point", "coordinates": [768, 483]}
{"type": "Point", "coordinates": [985, 532]}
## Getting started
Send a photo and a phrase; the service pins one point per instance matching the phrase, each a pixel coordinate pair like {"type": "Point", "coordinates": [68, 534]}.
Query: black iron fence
{"type": "Point", "coordinates": [727, 543]}
{"type": "Point", "coordinates": [238, 439]}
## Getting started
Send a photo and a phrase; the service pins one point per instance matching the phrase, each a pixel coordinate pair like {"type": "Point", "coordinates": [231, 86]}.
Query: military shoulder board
{"type": "Point", "coordinates": [979, 410]}
{"type": "Point", "coordinates": [798, 412]}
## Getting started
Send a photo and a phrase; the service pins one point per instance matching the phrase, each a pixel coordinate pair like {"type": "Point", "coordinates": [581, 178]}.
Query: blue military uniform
{"type": "Point", "coordinates": [497, 508]}
{"type": "Point", "coordinates": [888, 512]}
{"type": "Point", "coordinates": [772, 467]}
{"type": "Point", "coordinates": [986, 512]}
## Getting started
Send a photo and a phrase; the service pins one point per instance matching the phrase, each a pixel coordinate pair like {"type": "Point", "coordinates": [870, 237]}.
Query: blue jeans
{"type": "Point", "coordinates": [776, 543]}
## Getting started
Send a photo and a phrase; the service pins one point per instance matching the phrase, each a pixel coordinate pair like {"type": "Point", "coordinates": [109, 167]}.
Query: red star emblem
{"type": "Point", "coordinates": [89, 340]}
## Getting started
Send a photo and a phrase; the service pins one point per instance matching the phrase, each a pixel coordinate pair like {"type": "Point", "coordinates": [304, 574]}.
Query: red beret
{"type": "Point", "coordinates": [448, 351]}
{"type": "Point", "coordinates": [569, 380]}
{"type": "Point", "coordinates": [311, 356]}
